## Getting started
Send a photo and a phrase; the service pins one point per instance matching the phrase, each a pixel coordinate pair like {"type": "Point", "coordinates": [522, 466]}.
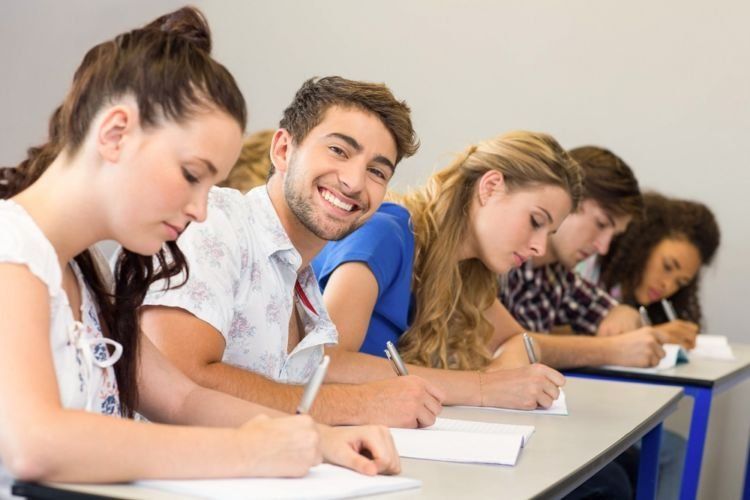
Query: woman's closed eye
{"type": "Point", "coordinates": [192, 179]}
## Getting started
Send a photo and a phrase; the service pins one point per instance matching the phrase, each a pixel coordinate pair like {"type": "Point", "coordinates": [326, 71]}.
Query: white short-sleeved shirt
{"type": "Point", "coordinates": [78, 348]}
{"type": "Point", "coordinates": [243, 271]}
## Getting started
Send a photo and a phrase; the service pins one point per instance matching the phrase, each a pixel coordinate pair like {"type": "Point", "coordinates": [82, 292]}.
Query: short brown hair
{"type": "Point", "coordinates": [609, 181]}
{"type": "Point", "coordinates": [254, 163]}
{"type": "Point", "coordinates": [316, 95]}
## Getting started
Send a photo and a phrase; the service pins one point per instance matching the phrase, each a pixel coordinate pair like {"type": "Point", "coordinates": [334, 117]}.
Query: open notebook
{"type": "Point", "coordinates": [464, 441]}
{"type": "Point", "coordinates": [323, 481]}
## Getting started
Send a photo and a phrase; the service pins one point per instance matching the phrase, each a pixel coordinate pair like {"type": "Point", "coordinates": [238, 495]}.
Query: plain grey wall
{"type": "Point", "coordinates": [666, 85]}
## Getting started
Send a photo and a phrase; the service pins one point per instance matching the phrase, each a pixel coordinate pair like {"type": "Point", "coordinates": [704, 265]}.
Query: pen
{"type": "Point", "coordinates": [644, 316]}
{"type": "Point", "coordinates": [669, 310]}
{"type": "Point", "coordinates": [398, 364]}
{"type": "Point", "coordinates": [528, 343]}
{"type": "Point", "coordinates": [312, 387]}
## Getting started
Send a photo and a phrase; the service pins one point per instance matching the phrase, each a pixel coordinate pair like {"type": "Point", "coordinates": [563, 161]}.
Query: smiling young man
{"type": "Point", "coordinates": [250, 320]}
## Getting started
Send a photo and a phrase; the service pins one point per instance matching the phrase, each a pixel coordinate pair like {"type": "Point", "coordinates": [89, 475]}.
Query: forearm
{"type": "Point", "coordinates": [75, 446]}
{"type": "Point", "coordinates": [572, 351]}
{"type": "Point", "coordinates": [335, 404]}
{"type": "Point", "coordinates": [459, 387]}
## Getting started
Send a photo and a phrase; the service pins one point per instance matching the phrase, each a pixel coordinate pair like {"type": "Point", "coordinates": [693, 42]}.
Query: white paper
{"type": "Point", "coordinates": [457, 446]}
{"type": "Point", "coordinates": [712, 347]}
{"type": "Point", "coordinates": [323, 481]}
{"type": "Point", "coordinates": [449, 424]}
{"type": "Point", "coordinates": [558, 407]}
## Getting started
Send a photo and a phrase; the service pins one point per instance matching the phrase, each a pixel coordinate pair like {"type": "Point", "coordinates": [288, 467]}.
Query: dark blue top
{"type": "Point", "coordinates": [386, 244]}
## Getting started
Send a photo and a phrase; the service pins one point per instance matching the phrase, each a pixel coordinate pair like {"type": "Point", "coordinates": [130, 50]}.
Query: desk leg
{"type": "Point", "coordinates": [648, 469]}
{"type": "Point", "coordinates": [746, 491]}
{"type": "Point", "coordinates": [696, 440]}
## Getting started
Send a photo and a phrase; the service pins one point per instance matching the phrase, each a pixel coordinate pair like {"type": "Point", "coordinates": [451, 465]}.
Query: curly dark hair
{"type": "Point", "coordinates": [664, 218]}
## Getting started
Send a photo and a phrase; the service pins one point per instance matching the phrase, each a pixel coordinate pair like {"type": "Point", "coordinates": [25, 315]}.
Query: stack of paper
{"type": "Point", "coordinates": [712, 347]}
{"type": "Point", "coordinates": [463, 441]}
{"type": "Point", "coordinates": [323, 481]}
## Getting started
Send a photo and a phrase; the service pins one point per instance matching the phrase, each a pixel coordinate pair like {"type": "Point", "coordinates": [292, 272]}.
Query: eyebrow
{"type": "Point", "coordinates": [351, 141]}
{"type": "Point", "coordinates": [208, 164]}
{"type": "Point", "coordinates": [551, 220]}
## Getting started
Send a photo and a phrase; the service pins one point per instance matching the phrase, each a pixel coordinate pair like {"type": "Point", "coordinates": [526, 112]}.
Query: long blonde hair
{"type": "Point", "coordinates": [449, 329]}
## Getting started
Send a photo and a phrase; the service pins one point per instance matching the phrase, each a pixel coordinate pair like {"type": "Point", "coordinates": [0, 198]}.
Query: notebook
{"type": "Point", "coordinates": [323, 481]}
{"type": "Point", "coordinates": [463, 441]}
{"type": "Point", "coordinates": [712, 347]}
{"type": "Point", "coordinates": [449, 424]}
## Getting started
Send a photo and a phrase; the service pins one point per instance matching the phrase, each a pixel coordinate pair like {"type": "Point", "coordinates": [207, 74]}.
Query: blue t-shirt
{"type": "Point", "coordinates": [386, 244]}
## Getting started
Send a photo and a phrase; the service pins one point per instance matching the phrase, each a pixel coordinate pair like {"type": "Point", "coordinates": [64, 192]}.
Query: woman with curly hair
{"type": "Point", "coordinates": [660, 257]}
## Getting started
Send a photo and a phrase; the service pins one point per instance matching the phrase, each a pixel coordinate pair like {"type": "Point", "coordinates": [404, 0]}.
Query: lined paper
{"type": "Point", "coordinates": [449, 424]}
{"type": "Point", "coordinates": [323, 481]}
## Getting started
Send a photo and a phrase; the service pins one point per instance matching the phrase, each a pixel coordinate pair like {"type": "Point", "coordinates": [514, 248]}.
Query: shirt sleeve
{"type": "Point", "coordinates": [380, 244]}
{"type": "Point", "coordinates": [212, 250]}
{"type": "Point", "coordinates": [584, 305]}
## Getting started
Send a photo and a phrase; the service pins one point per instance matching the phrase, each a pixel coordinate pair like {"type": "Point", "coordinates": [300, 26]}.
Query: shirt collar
{"type": "Point", "coordinates": [271, 234]}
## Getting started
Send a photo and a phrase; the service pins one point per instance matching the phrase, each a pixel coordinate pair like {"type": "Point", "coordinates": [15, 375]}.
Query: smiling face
{"type": "Point", "coordinates": [508, 228]}
{"type": "Point", "coordinates": [671, 265]}
{"type": "Point", "coordinates": [586, 232]}
{"type": "Point", "coordinates": [163, 177]}
{"type": "Point", "coordinates": [337, 177]}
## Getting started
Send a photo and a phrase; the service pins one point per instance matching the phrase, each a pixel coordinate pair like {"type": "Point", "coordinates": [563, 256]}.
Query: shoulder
{"type": "Point", "coordinates": [24, 243]}
{"type": "Point", "coordinates": [384, 242]}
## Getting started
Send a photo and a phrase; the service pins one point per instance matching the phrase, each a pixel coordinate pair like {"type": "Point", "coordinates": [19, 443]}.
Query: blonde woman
{"type": "Point", "coordinates": [423, 273]}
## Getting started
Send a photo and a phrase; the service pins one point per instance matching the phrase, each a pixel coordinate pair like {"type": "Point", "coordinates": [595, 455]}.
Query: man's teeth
{"type": "Point", "coordinates": [328, 196]}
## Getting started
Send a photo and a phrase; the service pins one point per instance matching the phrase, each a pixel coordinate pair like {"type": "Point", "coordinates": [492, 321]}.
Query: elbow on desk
{"type": "Point", "coordinates": [28, 456]}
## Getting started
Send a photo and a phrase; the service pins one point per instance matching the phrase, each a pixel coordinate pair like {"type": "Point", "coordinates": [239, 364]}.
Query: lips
{"type": "Point", "coordinates": [653, 294]}
{"type": "Point", "coordinates": [174, 231]}
{"type": "Point", "coordinates": [518, 259]}
{"type": "Point", "coordinates": [341, 202]}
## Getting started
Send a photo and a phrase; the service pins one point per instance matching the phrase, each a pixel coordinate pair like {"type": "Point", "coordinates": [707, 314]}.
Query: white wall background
{"type": "Point", "coordinates": [666, 85]}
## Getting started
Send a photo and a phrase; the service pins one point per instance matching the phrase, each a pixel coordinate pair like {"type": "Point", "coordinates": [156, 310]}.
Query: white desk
{"type": "Point", "coordinates": [605, 419]}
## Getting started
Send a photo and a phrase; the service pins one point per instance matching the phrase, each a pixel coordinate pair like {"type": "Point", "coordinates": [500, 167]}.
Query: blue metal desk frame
{"type": "Point", "coordinates": [702, 391]}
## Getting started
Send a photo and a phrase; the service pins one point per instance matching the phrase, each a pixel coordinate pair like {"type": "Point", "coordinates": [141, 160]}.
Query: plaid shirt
{"type": "Point", "coordinates": [551, 295]}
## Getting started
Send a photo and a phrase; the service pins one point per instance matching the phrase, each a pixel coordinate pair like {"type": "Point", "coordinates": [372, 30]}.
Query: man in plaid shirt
{"type": "Point", "coordinates": [545, 295]}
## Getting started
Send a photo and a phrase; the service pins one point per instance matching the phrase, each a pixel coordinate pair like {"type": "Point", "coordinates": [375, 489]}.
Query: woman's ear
{"type": "Point", "coordinates": [280, 149]}
{"type": "Point", "coordinates": [491, 182]}
{"type": "Point", "coordinates": [113, 130]}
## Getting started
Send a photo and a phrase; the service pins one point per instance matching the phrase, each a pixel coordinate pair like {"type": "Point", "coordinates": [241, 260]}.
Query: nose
{"type": "Point", "coordinates": [603, 241]}
{"type": "Point", "coordinates": [538, 243]}
{"type": "Point", "coordinates": [197, 208]}
{"type": "Point", "coordinates": [352, 178]}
